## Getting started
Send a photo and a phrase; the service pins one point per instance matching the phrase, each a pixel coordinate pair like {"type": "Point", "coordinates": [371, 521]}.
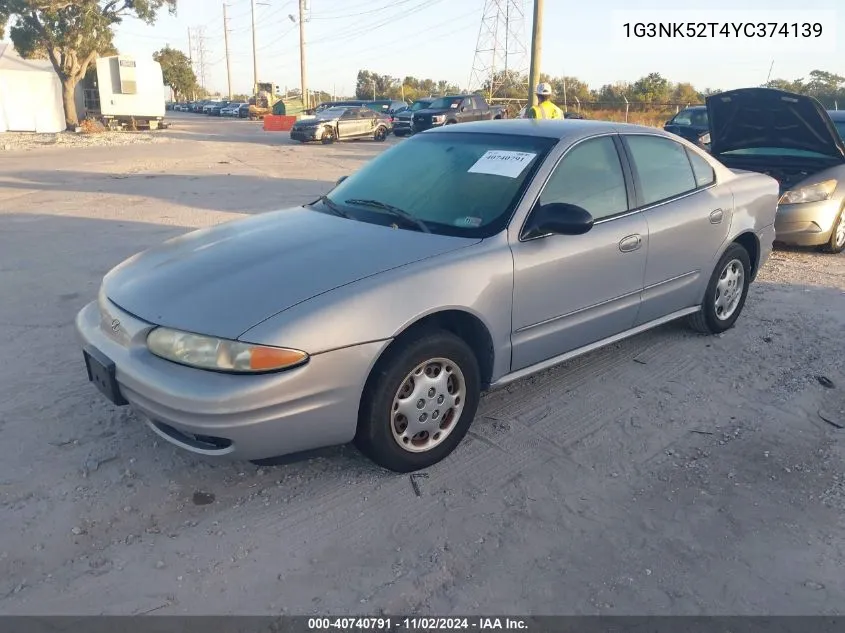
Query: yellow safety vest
{"type": "Point", "coordinates": [547, 110]}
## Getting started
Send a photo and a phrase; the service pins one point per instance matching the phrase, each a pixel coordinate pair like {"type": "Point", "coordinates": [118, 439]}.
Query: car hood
{"type": "Point", "coordinates": [764, 117]}
{"type": "Point", "coordinates": [223, 280]}
{"type": "Point", "coordinates": [430, 111]}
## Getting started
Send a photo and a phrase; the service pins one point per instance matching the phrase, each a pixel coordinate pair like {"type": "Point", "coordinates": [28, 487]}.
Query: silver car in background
{"type": "Point", "coordinates": [791, 138]}
{"type": "Point", "coordinates": [460, 260]}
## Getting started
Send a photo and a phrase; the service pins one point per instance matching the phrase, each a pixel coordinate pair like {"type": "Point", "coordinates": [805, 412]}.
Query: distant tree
{"type": "Point", "coordinates": [684, 93]}
{"type": "Point", "coordinates": [177, 71]}
{"type": "Point", "coordinates": [71, 33]}
{"type": "Point", "coordinates": [653, 88]}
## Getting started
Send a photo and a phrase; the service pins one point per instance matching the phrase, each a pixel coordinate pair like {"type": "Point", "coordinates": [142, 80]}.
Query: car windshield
{"type": "Point", "coordinates": [774, 151]}
{"type": "Point", "coordinates": [419, 105]}
{"type": "Point", "coordinates": [697, 118]}
{"type": "Point", "coordinates": [457, 183]}
{"type": "Point", "coordinates": [445, 102]}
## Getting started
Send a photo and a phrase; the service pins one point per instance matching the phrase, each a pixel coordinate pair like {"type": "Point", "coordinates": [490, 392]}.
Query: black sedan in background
{"type": "Point", "coordinates": [342, 123]}
{"type": "Point", "coordinates": [692, 124]}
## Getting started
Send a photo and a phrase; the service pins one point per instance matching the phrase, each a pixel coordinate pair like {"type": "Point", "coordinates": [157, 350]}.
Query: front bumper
{"type": "Point", "coordinates": [807, 224]}
{"type": "Point", "coordinates": [238, 416]}
{"type": "Point", "coordinates": [304, 134]}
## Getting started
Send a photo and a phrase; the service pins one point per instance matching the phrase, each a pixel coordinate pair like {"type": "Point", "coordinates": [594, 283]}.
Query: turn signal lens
{"type": "Point", "coordinates": [215, 354]}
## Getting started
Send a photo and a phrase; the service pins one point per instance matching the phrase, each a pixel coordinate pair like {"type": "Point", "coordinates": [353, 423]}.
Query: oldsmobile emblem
{"type": "Point", "coordinates": [115, 325]}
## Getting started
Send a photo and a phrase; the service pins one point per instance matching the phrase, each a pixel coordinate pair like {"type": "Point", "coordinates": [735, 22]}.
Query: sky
{"type": "Point", "coordinates": [437, 39]}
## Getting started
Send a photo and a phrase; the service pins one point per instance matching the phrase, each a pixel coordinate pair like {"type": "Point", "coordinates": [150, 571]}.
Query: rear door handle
{"type": "Point", "coordinates": [630, 243]}
{"type": "Point", "coordinates": [716, 216]}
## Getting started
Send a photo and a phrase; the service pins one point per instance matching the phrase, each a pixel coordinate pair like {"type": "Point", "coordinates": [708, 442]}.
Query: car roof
{"type": "Point", "coordinates": [558, 128]}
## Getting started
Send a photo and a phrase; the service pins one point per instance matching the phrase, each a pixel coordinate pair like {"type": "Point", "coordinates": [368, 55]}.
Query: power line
{"type": "Point", "coordinates": [392, 5]}
{"type": "Point", "coordinates": [368, 28]}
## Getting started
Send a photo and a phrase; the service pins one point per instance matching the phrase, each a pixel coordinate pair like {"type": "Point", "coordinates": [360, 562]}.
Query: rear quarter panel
{"type": "Point", "coordinates": [755, 207]}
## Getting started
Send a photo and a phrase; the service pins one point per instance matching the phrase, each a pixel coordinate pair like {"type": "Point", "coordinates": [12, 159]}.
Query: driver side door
{"type": "Point", "coordinates": [348, 124]}
{"type": "Point", "coordinates": [574, 290]}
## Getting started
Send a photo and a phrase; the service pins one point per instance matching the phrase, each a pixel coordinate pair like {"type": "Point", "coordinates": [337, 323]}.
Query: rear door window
{"type": "Point", "coordinates": [662, 167]}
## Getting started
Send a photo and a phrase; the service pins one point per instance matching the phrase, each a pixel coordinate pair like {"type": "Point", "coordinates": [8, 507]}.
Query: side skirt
{"type": "Point", "coordinates": [551, 362]}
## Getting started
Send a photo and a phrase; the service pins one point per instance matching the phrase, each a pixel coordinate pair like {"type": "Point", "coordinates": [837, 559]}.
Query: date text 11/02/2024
{"type": "Point", "coordinates": [722, 29]}
{"type": "Point", "coordinates": [415, 624]}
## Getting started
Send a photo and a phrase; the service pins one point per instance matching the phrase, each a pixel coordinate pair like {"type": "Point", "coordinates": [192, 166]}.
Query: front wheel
{"type": "Point", "coordinates": [419, 402]}
{"type": "Point", "coordinates": [836, 243]}
{"type": "Point", "coordinates": [726, 292]}
{"type": "Point", "coordinates": [328, 136]}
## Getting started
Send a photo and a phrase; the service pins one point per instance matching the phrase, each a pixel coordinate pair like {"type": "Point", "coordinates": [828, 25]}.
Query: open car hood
{"type": "Point", "coordinates": [764, 117]}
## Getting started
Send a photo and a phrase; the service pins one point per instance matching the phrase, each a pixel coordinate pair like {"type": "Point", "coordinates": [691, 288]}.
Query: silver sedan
{"type": "Point", "coordinates": [791, 138]}
{"type": "Point", "coordinates": [461, 260]}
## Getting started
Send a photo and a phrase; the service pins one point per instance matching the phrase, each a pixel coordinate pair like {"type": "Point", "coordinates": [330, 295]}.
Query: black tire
{"type": "Point", "coordinates": [708, 319]}
{"type": "Point", "coordinates": [398, 133]}
{"type": "Point", "coordinates": [328, 136]}
{"type": "Point", "coordinates": [375, 435]}
{"type": "Point", "coordinates": [380, 134]}
{"type": "Point", "coordinates": [836, 243]}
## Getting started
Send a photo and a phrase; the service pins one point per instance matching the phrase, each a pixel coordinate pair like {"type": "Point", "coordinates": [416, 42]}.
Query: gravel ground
{"type": "Point", "coordinates": [668, 474]}
{"type": "Point", "coordinates": [26, 141]}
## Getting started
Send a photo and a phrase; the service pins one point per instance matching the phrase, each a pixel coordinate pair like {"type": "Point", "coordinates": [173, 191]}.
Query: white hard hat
{"type": "Point", "coordinates": [544, 89]}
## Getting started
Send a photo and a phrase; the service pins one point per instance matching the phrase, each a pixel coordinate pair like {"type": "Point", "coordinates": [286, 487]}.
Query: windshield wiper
{"type": "Point", "coordinates": [394, 211]}
{"type": "Point", "coordinates": [331, 206]}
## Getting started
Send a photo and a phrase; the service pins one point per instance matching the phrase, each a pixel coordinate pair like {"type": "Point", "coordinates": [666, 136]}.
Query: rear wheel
{"type": "Point", "coordinates": [726, 292]}
{"type": "Point", "coordinates": [380, 134]}
{"type": "Point", "coordinates": [419, 402]}
{"type": "Point", "coordinates": [398, 133]}
{"type": "Point", "coordinates": [836, 243]}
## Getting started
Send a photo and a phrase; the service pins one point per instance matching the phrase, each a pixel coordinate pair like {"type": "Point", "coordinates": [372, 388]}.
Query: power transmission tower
{"type": "Point", "coordinates": [501, 58]}
{"type": "Point", "coordinates": [201, 56]}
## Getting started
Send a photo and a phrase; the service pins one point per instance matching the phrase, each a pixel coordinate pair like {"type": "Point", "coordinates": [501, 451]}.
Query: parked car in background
{"type": "Point", "coordinates": [232, 109]}
{"type": "Point", "coordinates": [691, 124]}
{"type": "Point", "coordinates": [210, 105]}
{"type": "Point", "coordinates": [402, 119]}
{"type": "Point", "coordinates": [243, 111]}
{"type": "Point", "coordinates": [456, 109]}
{"type": "Point", "coordinates": [791, 138]}
{"type": "Point", "coordinates": [451, 263]}
{"type": "Point", "coordinates": [838, 118]}
{"type": "Point", "coordinates": [217, 108]}
{"type": "Point", "coordinates": [342, 123]}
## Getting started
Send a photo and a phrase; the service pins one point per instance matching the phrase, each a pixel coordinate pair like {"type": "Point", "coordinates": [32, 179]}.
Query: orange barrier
{"type": "Point", "coordinates": [273, 123]}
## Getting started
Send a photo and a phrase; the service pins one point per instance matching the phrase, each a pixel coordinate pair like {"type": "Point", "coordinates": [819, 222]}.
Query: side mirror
{"type": "Point", "coordinates": [340, 180]}
{"type": "Point", "coordinates": [559, 218]}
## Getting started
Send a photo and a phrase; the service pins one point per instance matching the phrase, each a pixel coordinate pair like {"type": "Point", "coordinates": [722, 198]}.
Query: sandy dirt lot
{"type": "Point", "coordinates": [669, 474]}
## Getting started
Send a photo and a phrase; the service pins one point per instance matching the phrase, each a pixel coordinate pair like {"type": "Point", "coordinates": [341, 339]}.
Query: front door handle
{"type": "Point", "coordinates": [716, 216]}
{"type": "Point", "coordinates": [630, 243]}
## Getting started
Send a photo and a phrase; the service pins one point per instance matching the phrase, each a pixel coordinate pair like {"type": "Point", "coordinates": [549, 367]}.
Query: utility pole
{"type": "Point", "coordinates": [536, 50]}
{"type": "Point", "coordinates": [254, 52]}
{"type": "Point", "coordinates": [226, 40]}
{"type": "Point", "coordinates": [303, 76]}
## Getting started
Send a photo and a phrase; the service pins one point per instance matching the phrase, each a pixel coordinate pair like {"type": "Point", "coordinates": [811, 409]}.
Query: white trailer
{"type": "Point", "coordinates": [131, 92]}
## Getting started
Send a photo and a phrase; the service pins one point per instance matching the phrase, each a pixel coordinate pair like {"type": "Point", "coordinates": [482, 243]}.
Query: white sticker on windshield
{"type": "Point", "coordinates": [454, 105]}
{"type": "Point", "coordinates": [502, 163]}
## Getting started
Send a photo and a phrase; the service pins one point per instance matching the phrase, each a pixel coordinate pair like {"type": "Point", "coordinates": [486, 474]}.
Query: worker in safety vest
{"type": "Point", "coordinates": [544, 109]}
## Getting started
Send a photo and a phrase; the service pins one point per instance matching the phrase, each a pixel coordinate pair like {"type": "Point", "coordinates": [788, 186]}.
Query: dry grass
{"type": "Point", "coordinates": [653, 119]}
{"type": "Point", "coordinates": [92, 126]}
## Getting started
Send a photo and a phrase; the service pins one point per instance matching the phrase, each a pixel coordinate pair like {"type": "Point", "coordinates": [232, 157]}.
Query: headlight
{"type": "Point", "coordinates": [810, 193]}
{"type": "Point", "coordinates": [438, 118]}
{"type": "Point", "coordinates": [206, 352]}
{"type": "Point", "coordinates": [704, 139]}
